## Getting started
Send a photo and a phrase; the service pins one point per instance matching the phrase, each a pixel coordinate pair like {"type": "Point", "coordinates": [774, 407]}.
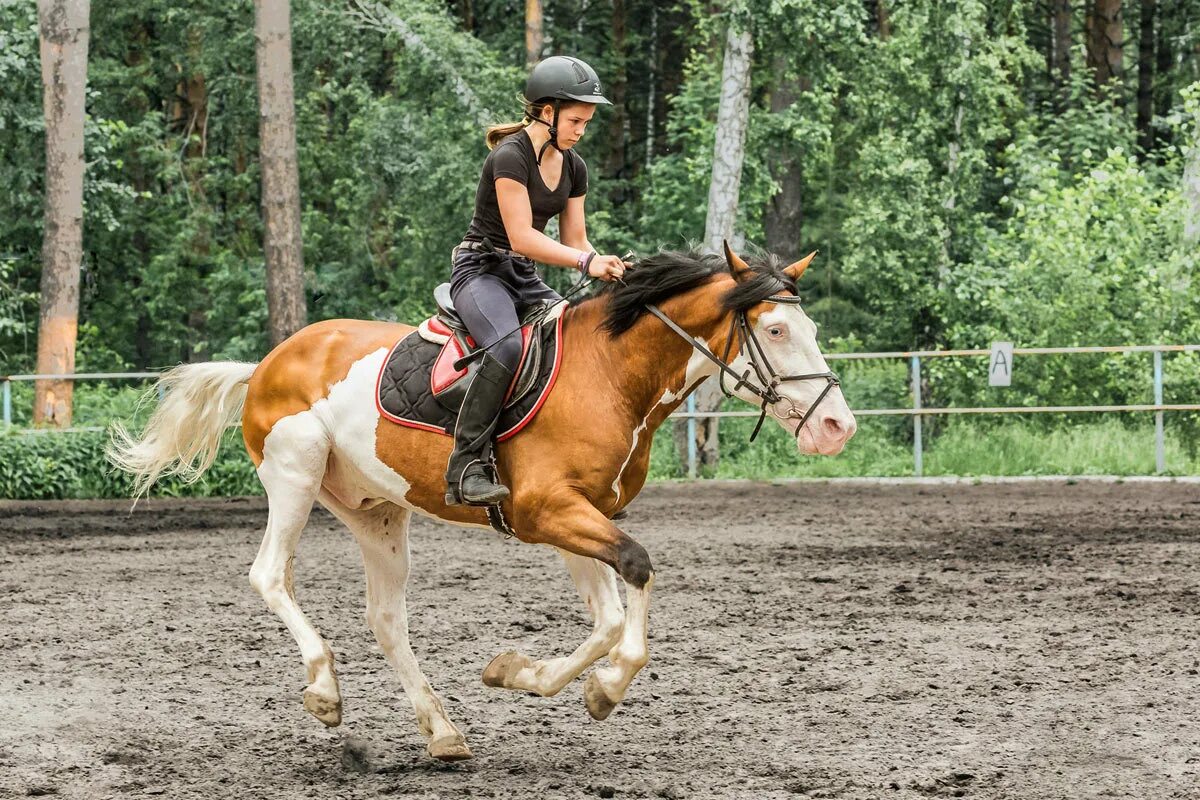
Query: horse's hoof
{"type": "Point", "coordinates": [599, 704]}
{"type": "Point", "coordinates": [504, 668]}
{"type": "Point", "coordinates": [326, 709]}
{"type": "Point", "coordinates": [449, 748]}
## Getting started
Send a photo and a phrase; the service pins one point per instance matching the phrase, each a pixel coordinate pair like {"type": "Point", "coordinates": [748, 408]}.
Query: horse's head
{"type": "Point", "coordinates": [779, 338]}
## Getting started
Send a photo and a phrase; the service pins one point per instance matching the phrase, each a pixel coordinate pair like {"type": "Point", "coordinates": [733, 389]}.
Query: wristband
{"type": "Point", "coordinates": [585, 261]}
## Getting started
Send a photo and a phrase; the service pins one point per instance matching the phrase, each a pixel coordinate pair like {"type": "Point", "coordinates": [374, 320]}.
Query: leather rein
{"type": "Point", "coordinates": [767, 377]}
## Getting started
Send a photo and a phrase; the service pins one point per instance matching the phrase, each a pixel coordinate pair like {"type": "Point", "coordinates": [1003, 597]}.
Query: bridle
{"type": "Point", "coordinates": [760, 365]}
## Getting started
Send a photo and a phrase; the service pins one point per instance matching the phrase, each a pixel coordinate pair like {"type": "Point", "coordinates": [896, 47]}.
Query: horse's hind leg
{"type": "Point", "coordinates": [294, 456]}
{"type": "Point", "coordinates": [382, 534]}
{"type": "Point", "coordinates": [597, 585]}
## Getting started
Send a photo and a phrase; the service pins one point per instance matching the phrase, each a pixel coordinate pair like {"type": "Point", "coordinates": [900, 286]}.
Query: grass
{"type": "Point", "coordinates": [72, 465]}
{"type": "Point", "coordinates": [1002, 447]}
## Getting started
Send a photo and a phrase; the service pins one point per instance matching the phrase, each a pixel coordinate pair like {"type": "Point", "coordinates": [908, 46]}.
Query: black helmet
{"type": "Point", "coordinates": [564, 78]}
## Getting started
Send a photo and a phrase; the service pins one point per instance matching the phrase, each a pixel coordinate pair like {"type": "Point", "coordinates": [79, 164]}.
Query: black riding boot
{"type": "Point", "coordinates": [466, 481]}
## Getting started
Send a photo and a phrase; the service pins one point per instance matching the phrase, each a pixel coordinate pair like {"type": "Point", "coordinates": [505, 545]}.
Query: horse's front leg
{"type": "Point", "coordinates": [569, 522]}
{"type": "Point", "coordinates": [597, 585]}
{"type": "Point", "coordinates": [607, 685]}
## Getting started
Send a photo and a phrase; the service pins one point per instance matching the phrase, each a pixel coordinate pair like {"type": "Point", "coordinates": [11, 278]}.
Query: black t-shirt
{"type": "Point", "coordinates": [514, 158]}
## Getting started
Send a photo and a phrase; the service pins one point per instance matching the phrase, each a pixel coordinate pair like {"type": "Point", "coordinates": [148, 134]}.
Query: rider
{"type": "Point", "coordinates": [530, 175]}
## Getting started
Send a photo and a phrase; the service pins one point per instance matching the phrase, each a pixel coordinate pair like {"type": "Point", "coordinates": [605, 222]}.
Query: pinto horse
{"type": "Point", "coordinates": [631, 355]}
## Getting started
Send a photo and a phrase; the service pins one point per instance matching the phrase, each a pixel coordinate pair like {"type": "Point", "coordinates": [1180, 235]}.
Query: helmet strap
{"type": "Point", "coordinates": [553, 140]}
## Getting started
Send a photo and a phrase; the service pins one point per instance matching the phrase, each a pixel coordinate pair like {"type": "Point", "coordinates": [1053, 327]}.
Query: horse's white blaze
{"type": "Point", "coordinates": [697, 367]}
{"type": "Point", "coordinates": [797, 353]}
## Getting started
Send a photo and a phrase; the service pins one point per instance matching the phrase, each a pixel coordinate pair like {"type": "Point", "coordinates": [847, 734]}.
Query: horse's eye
{"type": "Point", "coordinates": [775, 331]}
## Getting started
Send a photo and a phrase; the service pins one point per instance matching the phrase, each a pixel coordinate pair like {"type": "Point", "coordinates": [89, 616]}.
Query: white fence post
{"type": "Point", "coordinates": [7, 402]}
{"type": "Point", "coordinates": [1160, 454]}
{"type": "Point", "coordinates": [691, 436]}
{"type": "Point", "coordinates": [918, 467]}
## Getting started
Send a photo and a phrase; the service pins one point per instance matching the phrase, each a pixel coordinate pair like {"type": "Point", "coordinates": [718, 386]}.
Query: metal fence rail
{"type": "Point", "coordinates": [917, 411]}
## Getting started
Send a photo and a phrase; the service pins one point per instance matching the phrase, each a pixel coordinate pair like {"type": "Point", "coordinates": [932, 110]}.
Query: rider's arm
{"type": "Point", "coordinates": [572, 227]}
{"type": "Point", "coordinates": [513, 199]}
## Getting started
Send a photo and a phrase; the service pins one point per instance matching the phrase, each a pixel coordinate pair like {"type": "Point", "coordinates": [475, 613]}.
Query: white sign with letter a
{"type": "Point", "coordinates": [1000, 364]}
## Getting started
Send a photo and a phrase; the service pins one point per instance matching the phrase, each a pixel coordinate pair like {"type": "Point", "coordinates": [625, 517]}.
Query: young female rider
{"type": "Point", "coordinates": [531, 175]}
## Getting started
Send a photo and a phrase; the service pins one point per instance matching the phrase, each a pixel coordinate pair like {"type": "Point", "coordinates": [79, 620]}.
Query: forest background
{"type": "Point", "coordinates": [971, 171]}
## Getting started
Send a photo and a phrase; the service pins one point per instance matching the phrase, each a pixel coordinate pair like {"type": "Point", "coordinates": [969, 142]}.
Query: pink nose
{"type": "Point", "coordinates": [835, 428]}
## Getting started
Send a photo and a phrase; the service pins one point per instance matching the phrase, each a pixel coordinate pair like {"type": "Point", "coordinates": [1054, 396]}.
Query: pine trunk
{"type": "Point", "coordinates": [1060, 46]}
{"type": "Point", "coordinates": [618, 86]}
{"type": "Point", "coordinates": [883, 21]}
{"type": "Point", "coordinates": [783, 219]}
{"type": "Point", "coordinates": [63, 29]}
{"type": "Point", "coordinates": [282, 245]}
{"type": "Point", "coordinates": [1145, 94]}
{"type": "Point", "coordinates": [535, 34]}
{"type": "Point", "coordinates": [1105, 41]}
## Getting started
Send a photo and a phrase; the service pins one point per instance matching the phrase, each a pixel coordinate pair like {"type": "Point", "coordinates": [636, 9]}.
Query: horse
{"type": "Point", "coordinates": [631, 354]}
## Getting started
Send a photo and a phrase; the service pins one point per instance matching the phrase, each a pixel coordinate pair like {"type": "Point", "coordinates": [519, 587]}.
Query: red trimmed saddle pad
{"type": "Point", "coordinates": [418, 386]}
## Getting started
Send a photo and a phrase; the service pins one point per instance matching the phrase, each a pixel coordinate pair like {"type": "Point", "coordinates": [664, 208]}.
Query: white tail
{"type": "Point", "coordinates": [184, 432]}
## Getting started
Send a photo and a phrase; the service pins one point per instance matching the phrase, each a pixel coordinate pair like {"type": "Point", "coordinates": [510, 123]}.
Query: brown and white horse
{"type": "Point", "coordinates": [312, 428]}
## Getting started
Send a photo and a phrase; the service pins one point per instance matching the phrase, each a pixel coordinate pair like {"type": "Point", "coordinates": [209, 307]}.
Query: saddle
{"type": "Point", "coordinates": [424, 379]}
{"type": "Point", "coordinates": [452, 373]}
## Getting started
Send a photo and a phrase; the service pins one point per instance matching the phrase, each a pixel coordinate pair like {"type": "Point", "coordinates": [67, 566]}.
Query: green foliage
{"type": "Point", "coordinates": [48, 465]}
{"type": "Point", "coordinates": [957, 192]}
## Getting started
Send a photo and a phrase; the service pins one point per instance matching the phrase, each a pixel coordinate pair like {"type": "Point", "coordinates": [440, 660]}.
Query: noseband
{"type": "Point", "coordinates": [768, 379]}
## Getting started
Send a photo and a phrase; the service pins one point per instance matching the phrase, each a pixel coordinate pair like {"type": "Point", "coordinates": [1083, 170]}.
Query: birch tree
{"type": "Point", "coordinates": [1191, 167]}
{"type": "Point", "coordinates": [286, 311]}
{"type": "Point", "coordinates": [733, 112]}
{"type": "Point", "coordinates": [63, 32]}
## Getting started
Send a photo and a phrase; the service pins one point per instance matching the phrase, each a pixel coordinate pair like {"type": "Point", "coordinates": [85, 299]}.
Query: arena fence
{"type": "Point", "coordinates": [916, 411]}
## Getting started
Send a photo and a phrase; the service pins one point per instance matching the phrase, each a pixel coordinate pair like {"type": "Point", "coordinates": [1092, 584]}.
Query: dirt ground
{"type": "Point", "coordinates": [1031, 641]}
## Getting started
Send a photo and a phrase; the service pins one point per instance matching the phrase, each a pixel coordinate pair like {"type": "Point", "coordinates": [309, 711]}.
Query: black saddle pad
{"type": "Point", "coordinates": [404, 391]}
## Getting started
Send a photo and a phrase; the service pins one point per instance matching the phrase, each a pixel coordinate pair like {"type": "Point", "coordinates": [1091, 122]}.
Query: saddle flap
{"type": "Point", "coordinates": [444, 375]}
{"type": "Point", "coordinates": [444, 378]}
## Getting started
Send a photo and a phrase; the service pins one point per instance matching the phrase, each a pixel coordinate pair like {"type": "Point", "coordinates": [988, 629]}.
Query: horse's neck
{"type": "Point", "coordinates": [653, 368]}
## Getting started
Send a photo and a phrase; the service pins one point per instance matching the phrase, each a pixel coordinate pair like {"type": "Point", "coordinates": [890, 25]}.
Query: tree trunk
{"type": "Point", "coordinates": [784, 217]}
{"type": "Point", "coordinates": [467, 12]}
{"type": "Point", "coordinates": [1191, 173]}
{"type": "Point", "coordinates": [1105, 38]}
{"type": "Point", "coordinates": [651, 85]}
{"type": "Point", "coordinates": [728, 153]}
{"type": "Point", "coordinates": [619, 121]}
{"type": "Point", "coordinates": [63, 29]}
{"type": "Point", "coordinates": [535, 34]}
{"type": "Point", "coordinates": [1060, 47]}
{"type": "Point", "coordinates": [1145, 93]}
{"type": "Point", "coordinates": [286, 310]}
{"type": "Point", "coordinates": [883, 21]}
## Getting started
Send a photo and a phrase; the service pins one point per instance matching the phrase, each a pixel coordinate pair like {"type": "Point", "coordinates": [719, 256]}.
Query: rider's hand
{"type": "Point", "coordinates": [607, 268]}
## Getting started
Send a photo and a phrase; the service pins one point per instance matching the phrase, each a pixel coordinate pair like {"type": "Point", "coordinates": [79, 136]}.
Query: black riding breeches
{"type": "Point", "coordinates": [490, 291]}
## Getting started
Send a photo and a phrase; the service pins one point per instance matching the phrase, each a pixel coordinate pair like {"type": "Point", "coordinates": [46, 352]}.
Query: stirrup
{"type": "Point", "coordinates": [454, 493]}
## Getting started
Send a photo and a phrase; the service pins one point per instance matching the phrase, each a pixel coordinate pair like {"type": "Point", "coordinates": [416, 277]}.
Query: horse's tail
{"type": "Point", "coordinates": [199, 401]}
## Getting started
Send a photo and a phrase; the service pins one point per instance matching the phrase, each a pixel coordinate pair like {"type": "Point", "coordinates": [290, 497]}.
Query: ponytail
{"type": "Point", "coordinates": [496, 133]}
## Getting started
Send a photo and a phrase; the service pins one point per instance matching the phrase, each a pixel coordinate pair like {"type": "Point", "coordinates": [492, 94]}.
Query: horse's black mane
{"type": "Point", "coordinates": [666, 274]}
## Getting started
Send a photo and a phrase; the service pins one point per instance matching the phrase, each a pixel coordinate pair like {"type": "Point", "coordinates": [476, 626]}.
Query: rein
{"type": "Point", "coordinates": [760, 365]}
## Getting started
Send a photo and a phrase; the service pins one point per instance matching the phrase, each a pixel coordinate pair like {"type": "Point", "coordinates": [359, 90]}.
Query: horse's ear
{"type": "Point", "coordinates": [738, 268]}
{"type": "Point", "coordinates": [794, 271]}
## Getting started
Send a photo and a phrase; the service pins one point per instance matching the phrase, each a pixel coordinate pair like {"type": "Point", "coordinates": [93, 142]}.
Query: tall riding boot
{"type": "Point", "coordinates": [466, 481]}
